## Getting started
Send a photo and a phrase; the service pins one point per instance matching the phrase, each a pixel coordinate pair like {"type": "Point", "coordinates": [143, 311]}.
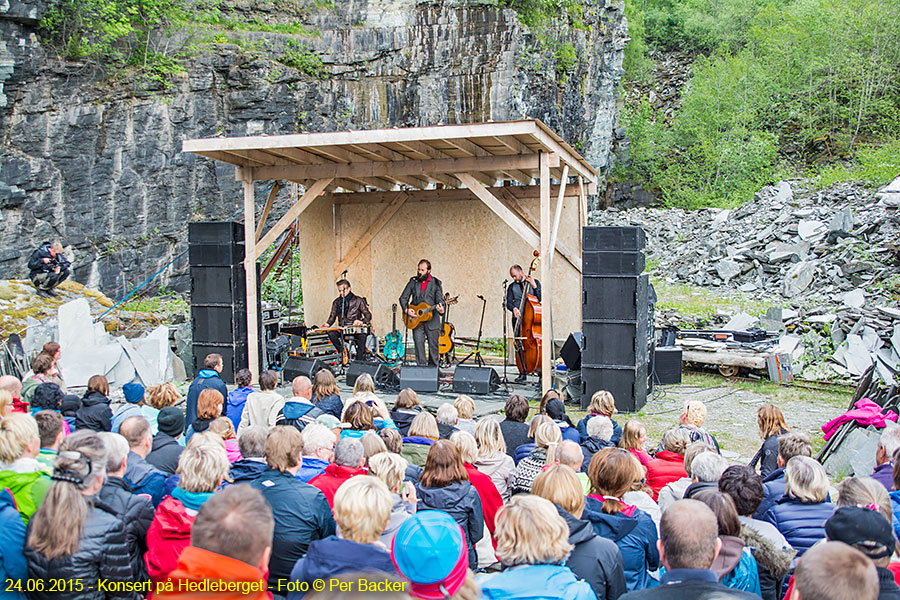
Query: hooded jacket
{"type": "Point", "coordinates": [665, 468]}
{"type": "Point", "coordinates": [12, 546]}
{"type": "Point", "coordinates": [331, 405]}
{"type": "Point", "coordinates": [330, 480]}
{"type": "Point", "coordinates": [261, 408]}
{"type": "Point", "coordinates": [500, 468]}
{"type": "Point", "coordinates": [582, 429]}
{"type": "Point", "coordinates": [247, 469]}
{"type": "Point", "coordinates": [895, 508]}
{"type": "Point", "coordinates": [206, 378]}
{"type": "Point", "coordinates": [136, 513]}
{"type": "Point", "coordinates": [802, 524]}
{"type": "Point", "coordinates": [700, 486]}
{"type": "Point", "coordinates": [165, 453]}
{"type": "Point", "coordinates": [591, 446]}
{"type": "Point", "coordinates": [400, 512]}
{"type": "Point", "coordinates": [94, 413]}
{"type": "Point", "coordinates": [331, 556]}
{"type": "Point", "coordinates": [635, 535]}
{"type": "Point", "coordinates": [167, 536]}
{"type": "Point", "coordinates": [773, 490]}
{"type": "Point", "coordinates": [198, 565]}
{"type": "Point", "coordinates": [415, 449]}
{"type": "Point", "coordinates": [672, 492]}
{"type": "Point", "coordinates": [144, 478]}
{"type": "Point", "coordinates": [136, 410]}
{"type": "Point", "coordinates": [523, 451]}
{"type": "Point", "coordinates": [735, 566]}
{"type": "Point", "coordinates": [460, 501]}
{"type": "Point", "coordinates": [527, 582]}
{"type": "Point", "coordinates": [294, 411]}
{"type": "Point", "coordinates": [773, 563]}
{"type": "Point", "coordinates": [403, 418]}
{"type": "Point", "coordinates": [28, 489]}
{"type": "Point", "coordinates": [102, 554]}
{"type": "Point", "coordinates": [594, 559]}
{"type": "Point", "coordinates": [234, 404]}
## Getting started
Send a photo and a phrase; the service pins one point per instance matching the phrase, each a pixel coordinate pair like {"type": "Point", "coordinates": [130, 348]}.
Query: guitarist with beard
{"type": "Point", "coordinates": [424, 289]}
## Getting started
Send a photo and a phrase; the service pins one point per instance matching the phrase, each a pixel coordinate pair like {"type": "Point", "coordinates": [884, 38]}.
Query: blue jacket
{"type": "Point", "coordinates": [526, 582]}
{"type": "Point", "coordinates": [329, 557]}
{"type": "Point", "coordinates": [12, 546]}
{"type": "Point", "coordinates": [234, 404]}
{"type": "Point", "coordinates": [331, 404]}
{"type": "Point", "coordinates": [310, 468]}
{"type": "Point", "coordinates": [302, 515]}
{"type": "Point", "coordinates": [636, 538]}
{"type": "Point", "coordinates": [895, 505]}
{"type": "Point", "coordinates": [144, 478]}
{"type": "Point", "coordinates": [773, 490]}
{"type": "Point", "coordinates": [293, 413]}
{"type": "Point", "coordinates": [524, 451]}
{"type": "Point", "coordinates": [582, 429]}
{"type": "Point", "coordinates": [134, 410]}
{"type": "Point", "coordinates": [246, 470]}
{"type": "Point", "coordinates": [802, 524]}
{"type": "Point", "coordinates": [570, 433]}
{"type": "Point", "coordinates": [745, 576]}
{"type": "Point", "coordinates": [206, 378]}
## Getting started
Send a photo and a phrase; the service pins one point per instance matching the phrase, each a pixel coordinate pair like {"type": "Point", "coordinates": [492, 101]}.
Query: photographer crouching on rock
{"type": "Point", "coordinates": [48, 268]}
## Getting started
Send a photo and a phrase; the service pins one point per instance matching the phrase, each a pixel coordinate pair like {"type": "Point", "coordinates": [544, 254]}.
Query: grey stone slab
{"type": "Point", "coordinates": [855, 298]}
{"type": "Point", "coordinates": [855, 455]}
{"type": "Point", "coordinates": [740, 321]}
{"type": "Point", "coordinates": [810, 230]}
{"type": "Point", "coordinates": [148, 373]}
{"type": "Point", "coordinates": [78, 366]}
{"type": "Point", "coordinates": [842, 222]}
{"type": "Point", "coordinates": [76, 331]}
{"type": "Point", "coordinates": [798, 278]}
{"type": "Point", "coordinates": [728, 269]}
{"type": "Point", "coordinates": [858, 358]}
{"type": "Point", "coordinates": [783, 193]}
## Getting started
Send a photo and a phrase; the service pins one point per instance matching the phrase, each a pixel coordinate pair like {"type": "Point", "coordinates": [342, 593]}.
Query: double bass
{"type": "Point", "coordinates": [528, 333]}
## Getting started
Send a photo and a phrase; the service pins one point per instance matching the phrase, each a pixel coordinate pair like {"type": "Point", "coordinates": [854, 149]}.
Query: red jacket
{"type": "Point", "coordinates": [334, 475]}
{"type": "Point", "coordinates": [169, 534]}
{"type": "Point", "coordinates": [663, 470]}
{"type": "Point", "coordinates": [487, 491]}
{"type": "Point", "coordinates": [205, 567]}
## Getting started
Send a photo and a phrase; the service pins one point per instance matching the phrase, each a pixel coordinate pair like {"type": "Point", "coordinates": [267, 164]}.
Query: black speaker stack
{"type": "Point", "coordinates": [218, 295]}
{"type": "Point", "coordinates": [617, 328]}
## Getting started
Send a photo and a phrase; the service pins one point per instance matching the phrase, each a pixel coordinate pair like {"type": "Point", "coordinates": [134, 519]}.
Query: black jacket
{"type": "Point", "coordinates": [445, 430]}
{"type": "Point", "coordinates": [688, 589]}
{"type": "Point", "coordinates": [460, 501]}
{"type": "Point", "coordinates": [136, 513]}
{"type": "Point", "coordinates": [102, 554]}
{"type": "Point", "coordinates": [434, 294]}
{"type": "Point", "coordinates": [515, 434]}
{"type": "Point", "coordinates": [94, 413]}
{"type": "Point", "coordinates": [590, 447]}
{"type": "Point", "coordinates": [37, 265]}
{"type": "Point", "coordinates": [301, 514]}
{"type": "Point", "coordinates": [514, 294]}
{"type": "Point", "coordinates": [700, 486]}
{"type": "Point", "coordinates": [594, 559]}
{"type": "Point", "coordinates": [767, 456]}
{"type": "Point", "coordinates": [888, 588]}
{"type": "Point", "coordinates": [246, 470]}
{"type": "Point", "coordinates": [350, 308]}
{"type": "Point", "coordinates": [403, 418]}
{"type": "Point", "coordinates": [165, 453]}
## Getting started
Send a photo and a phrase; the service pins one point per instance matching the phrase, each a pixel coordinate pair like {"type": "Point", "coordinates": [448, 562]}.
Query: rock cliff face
{"type": "Point", "coordinates": [96, 162]}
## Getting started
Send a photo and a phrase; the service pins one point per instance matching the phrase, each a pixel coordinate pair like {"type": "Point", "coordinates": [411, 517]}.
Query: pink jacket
{"type": "Point", "coordinates": [866, 413]}
{"type": "Point", "coordinates": [232, 450]}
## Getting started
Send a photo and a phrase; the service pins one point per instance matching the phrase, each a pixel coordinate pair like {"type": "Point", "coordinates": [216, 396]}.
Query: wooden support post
{"type": "Point", "coordinates": [582, 205]}
{"type": "Point", "coordinates": [268, 208]}
{"type": "Point", "coordinates": [316, 188]}
{"type": "Point", "coordinates": [558, 216]}
{"type": "Point", "coordinates": [370, 233]}
{"type": "Point", "coordinates": [546, 292]}
{"type": "Point", "coordinates": [500, 209]}
{"type": "Point", "coordinates": [338, 232]}
{"type": "Point", "coordinates": [250, 268]}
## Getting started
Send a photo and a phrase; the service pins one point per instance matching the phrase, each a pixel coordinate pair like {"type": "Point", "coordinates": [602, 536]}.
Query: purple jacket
{"type": "Point", "coordinates": [884, 474]}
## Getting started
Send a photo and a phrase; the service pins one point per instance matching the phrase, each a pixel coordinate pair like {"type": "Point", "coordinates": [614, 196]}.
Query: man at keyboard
{"type": "Point", "coordinates": [349, 310]}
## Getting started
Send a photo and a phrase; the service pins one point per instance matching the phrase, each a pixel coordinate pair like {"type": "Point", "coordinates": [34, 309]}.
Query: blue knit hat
{"type": "Point", "coordinates": [134, 392]}
{"type": "Point", "coordinates": [430, 550]}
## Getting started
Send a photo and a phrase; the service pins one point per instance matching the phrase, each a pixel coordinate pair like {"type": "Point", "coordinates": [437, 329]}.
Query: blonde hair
{"type": "Point", "coordinates": [806, 480]}
{"type": "Point", "coordinates": [676, 440]}
{"type": "Point", "coordinates": [631, 435]}
{"type": "Point", "coordinates": [548, 436]}
{"type": "Point", "coordinates": [560, 485]}
{"type": "Point", "coordinates": [407, 398]}
{"type": "Point", "coordinates": [390, 468]}
{"type": "Point", "coordinates": [16, 432]}
{"type": "Point", "coordinates": [613, 472]}
{"type": "Point", "coordinates": [693, 451]}
{"type": "Point", "coordinates": [465, 407]}
{"type": "Point", "coordinates": [863, 491]}
{"type": "Point", "coordinates": [603, 403]}
{"type": "Point", "coordinates": [223, 427]}
{"type": "Point", "coordinates": [468, 449]}
{"type": "Point", "coordinates": [694, 413]}
{"type": "Point", "coordinates": [284, 444]}
{"type": "Point", "coordinates": [162, 396]}
{"type": "Point", "coordinates": [425, 425]}
{"type": "Point", "coordinates": [364, 383]}
{"type": "Point", "coordinates": [203, 467]}
{"type": "Point", "coordinates": [6, 400]}
{"type": "Point", "coordinates": [529, 531]}
{"type": "Point", "coordinates": [489, 437]}
{"type": "Point", "coordinates": [537, 421]}
{"type": "Point", "coordinates": [362, 507]}
{"type": "Point", "coordinates": [372, 444]}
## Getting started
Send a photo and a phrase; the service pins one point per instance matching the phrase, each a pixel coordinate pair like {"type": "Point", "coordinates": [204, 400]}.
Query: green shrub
{"type": "Point", "coordinates": [301, 57]}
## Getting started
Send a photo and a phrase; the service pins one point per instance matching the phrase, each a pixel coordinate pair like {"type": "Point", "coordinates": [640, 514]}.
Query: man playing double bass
{"type": "Point", "coordinates": [514, 298]}
{"type": "Point", "coordinates": [424, 288]}
{"type": "Point", "coordinates": [348, 309]}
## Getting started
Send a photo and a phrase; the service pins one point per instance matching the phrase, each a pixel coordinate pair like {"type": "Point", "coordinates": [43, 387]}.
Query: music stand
{"type": "Point", "coordinates": [479, 360]}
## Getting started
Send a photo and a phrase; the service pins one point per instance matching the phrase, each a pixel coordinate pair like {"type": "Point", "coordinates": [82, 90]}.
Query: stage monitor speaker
{"type": "Point", "coordinates": [613, 238]}
{"type": "Point", "coordinates": [295, 366]}
{"type": "Point", "coordinates": [667, 367]}
{"type": "Point", "coordinates": [571, 351]}
{"type": "Point", "coordinates": [628, 385]}
{"type": "Point", "coordinates": [420, 379]}
{"type": "Point", "coordinates": [475, 380]}
{"type": "Point", "coordinates": [621, 298]}
{"type": "Point", "coordinates": [613, 262]}
{"type": "Point", "coordinates": [383, 376]}
{"type": "Point", "coordinates": [615, 342]}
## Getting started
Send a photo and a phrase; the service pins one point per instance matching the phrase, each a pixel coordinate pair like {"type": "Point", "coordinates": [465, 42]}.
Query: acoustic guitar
{"type": "Point", "coordinates": [393, 345]}
{"type": "Point", "coordinates": [445, 341]}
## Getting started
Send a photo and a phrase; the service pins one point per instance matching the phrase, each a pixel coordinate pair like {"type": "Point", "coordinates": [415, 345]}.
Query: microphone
{"type": "Point", "coordinates": [480, 297]}
{"type": "Point", "coordinates": [344, 273]}
{"type": "Point", "coordinates": [505, 281]}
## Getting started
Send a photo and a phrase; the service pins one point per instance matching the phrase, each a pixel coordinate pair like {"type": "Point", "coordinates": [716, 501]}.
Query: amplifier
{"type": "Point", "coordinates": [420, 379]}
{"type": "Point", "coordinates": [475, 380]}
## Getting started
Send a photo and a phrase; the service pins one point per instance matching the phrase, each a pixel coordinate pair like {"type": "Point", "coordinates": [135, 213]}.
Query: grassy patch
{"type": "Point", "coordinates": [691, 301]}
{"type": "Point", "coordinates": [165, 305]}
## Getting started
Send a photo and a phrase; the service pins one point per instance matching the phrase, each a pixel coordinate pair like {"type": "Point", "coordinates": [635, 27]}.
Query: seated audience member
{"type": "Point", "coordinates": [869, 532]}
{"type": "Point", "coordinates": [800, 515]}
{"type": "Point", "coordinates": [361, 508]}
{"type": "Point", "coordinates": [237, 398]}
{"type": "Point", "coordinates": [444, 485]}
{"type": "Point", "coordinates": [51, 431]}
{"type": "Point", "coordinates": [349, 461]}
{"type": "Point", "coordinates": [446, 420]}
{"type": "Point", "coordinates": [394, 444]}
{"type": "Point", "coordinates": [691, 420]}
{"type": "Point", "coordinates": [602, 404]}
{"type": "Point", "coordinates": [166, 450]}
{"type": "Point", "coordinates": [95, 413]}
{"type": "Point", "coordinates": [552, 406]}
{"type": "Point", "coordinates": [326, 394]}
{"type": "Point", "coordinates": [143, 477]}
{"type": "Point", "coordinates": [202, 468]}
{"type": "Point", "coordinates": [465, 410]}
{"type": "Point", "coordinates": [136, 406]}
{"type": "Point", "coordinates": [331, 423]}
{"type": "Point", "coordinates": [771, 426]}
{"type": "Point", "coordinates": [14, 387]}
{"type": "Point", "coordinates": [252, 444]}
{"type": "Point", "coordinates": [6, 403]}
{"type": "Point", "coordinates": [734, 565]}
{"type": "Point", "coordinates": [298, 411]}
{"type": "Point", "coordinates": [361, 417]}
{"type": "Point", "coordinates": [612, 473]}
{"type": "Point", "coordinates": [525, 450]}
{"type": "Point", "coordinates": [706, 469]}
{"type": "Point", "coordinates": [231, 541]}
{"type": "Point", "coordinates": [546, 441]}
{"type": "Point", "coordinates": [639, 497]}
{"type": "Point", "coordinates": [668, 465]}
{"type": "Point", "coordinates": [207, 378]}
{"type": "Point", "coordinates": [201, 438]}
{"type": "Point", "coordinates": [390, 468]}
{"type": "Point", "coordinates": [594, 559]}
{"type": "Point", "coordinates": [688, 547]}
{"type": "Point", "coordinates": [223, 428]}
{"type": "Point", "coordinates": [261, 408]}
{"type": "Point", "coordinates": [68, 407]}
{"type": "Point", "coordinates": [423, 432]}
{"type": "Point", "coordinates": [430, 551]}
{"type": "Point", "coordinates": [301, 511]}
{"type": "Point", "coordinates": [48, 396]}
{"type": "Point", "coordinates": [773, 553]}
{"type": "Point", "coordinates": [487, 491]}
{"type": "Point", "coordinates": [492, 459]}
{"type": "Point", "coordinates": [209, 408]}
{"type": "Point", "coordinates": [515, 429]}
{"type": "Point", "coordinates": [572, 455]}
{"type": "Point", "coordinates": [13, 566]}
{"type": "Point", "coordinates": [363, 390]}
{"type": "Point", "coordinates": [599, 433]}
{"type": "Point", "coordinates": [117, 496]}
{"type": "Point", "coordinates": [42, 371]}
{"type": "Point", "coordinates": [789, 445]}
{"type": "Point", "coordinates": [72, 536]}
{"type": "Point", "coordinates": [406, 408]}
{"type": "Point", "coordinates": [372, 444]}
{"type": "Point", "coordinates": [533, 543]}
{"type": "Point", "coordinates": [162, 396]}
{"type": "Point", "coordinates": [634, 439]}
{"type": "Point", "coordinates": [674, 491]}
{"type": "Point", "coordinates": [318, 451]}
{"type": "Point", "coordinates": [888, 444]}
{"type": "Point", "coordinates": [20, 472]}
{"type": "Point", "coordinates": [835, 571]}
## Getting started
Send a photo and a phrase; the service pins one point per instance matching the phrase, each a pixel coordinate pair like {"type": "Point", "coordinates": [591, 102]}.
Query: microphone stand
{"type": "Point", "coordinates": [479, 361]}
{"type": "Point", "coordinates": [505, 340]}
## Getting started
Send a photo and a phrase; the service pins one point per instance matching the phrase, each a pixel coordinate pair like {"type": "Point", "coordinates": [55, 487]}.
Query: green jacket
{"type": "Point", "coordinates": [28, 489]}
{"type": "Point", "coordinates": [415, 453]}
